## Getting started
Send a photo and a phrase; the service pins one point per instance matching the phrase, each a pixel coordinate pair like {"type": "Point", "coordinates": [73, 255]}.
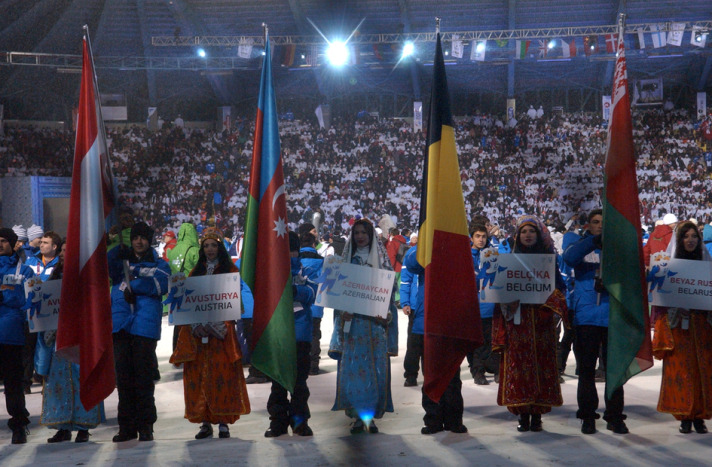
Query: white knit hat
{"type": "Point", "coordinates": [20, 232]}
{"type": "Point", "coordinates": [668, 219]}
{"type": "Point", "coordinates": [35, 231]}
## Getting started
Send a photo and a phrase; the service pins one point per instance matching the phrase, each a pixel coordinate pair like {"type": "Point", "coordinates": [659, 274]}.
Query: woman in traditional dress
{"type": "Point", "coordinates": [363, 344]}
{"type": "Point", "coordinates": [62, 408]}
{"type": "Point", "coordinates": [526, 336]}
{"type": "Point", "coordinates": [213, 381]}
{"type": "Point", "coordinates": [683, 341]}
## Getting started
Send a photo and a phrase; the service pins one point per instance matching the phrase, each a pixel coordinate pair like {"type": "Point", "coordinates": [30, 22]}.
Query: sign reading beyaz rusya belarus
{"type": "Point", "coordinates": [203, 299]}
{"type": "Point", "coordinates": [505, 278]}
{"type": "Point", "coordinates": [42, 304]}
{"type": "Point", "coordinates": [353, 288]}
{"type": "Point", "coordinates": [680, 283]}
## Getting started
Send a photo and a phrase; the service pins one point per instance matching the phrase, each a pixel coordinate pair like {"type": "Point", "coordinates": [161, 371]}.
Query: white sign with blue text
{"type": "Point", "coordinates": [353, 288]}
{"type": "Point", "coordinates": [203, 299]}
{"type": "Point", "coordinates": [505, 278]}
{"type": "Point", "coordinates": [679, 283]}
{"type": "Point", "coordinates": [42, 304]}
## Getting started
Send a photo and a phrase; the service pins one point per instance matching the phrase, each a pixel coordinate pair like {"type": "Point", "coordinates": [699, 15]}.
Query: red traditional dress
{"type": "Point", "coordinates": [213, 379]}
{"type": "Point", "coordinates": [686, 385]}
{"type": "Point", "coordinates": [529, 378]}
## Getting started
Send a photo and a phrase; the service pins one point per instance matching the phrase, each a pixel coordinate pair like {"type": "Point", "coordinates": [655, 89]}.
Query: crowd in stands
{"type": "Point", "coordinates": [550, 166]}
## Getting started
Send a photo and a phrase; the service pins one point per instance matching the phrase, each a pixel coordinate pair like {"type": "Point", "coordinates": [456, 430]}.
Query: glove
{"type": "Point", "coordinates": [129, 296]}
{"type": "Point", "coordinates": [50, 337]}
{"type": "Point", "coordinates": [216, 329]}
{"type": "Point", "coordinates": [598, 241]}
{"type": "Point", "coordinates": [199, 330]}
{"type": "Point", "coordinates": [124, 252]}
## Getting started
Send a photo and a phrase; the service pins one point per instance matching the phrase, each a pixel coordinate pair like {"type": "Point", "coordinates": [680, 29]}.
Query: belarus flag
{"type": "Point", "coordinates": [84, 329]}
{"type": "Point", "coordinates": [452, 317]}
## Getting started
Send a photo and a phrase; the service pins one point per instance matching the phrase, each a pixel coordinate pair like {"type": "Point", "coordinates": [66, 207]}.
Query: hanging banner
{"type": "Point", "coordinates": [203, 299]}
{"type": "Point", "coordinates": [417, 116]}
{"type": "Point", "coordinates": [224, 118]}
{"type": "Point", "coordinates": [679, 283]}
{"type": "Point", "coordinates": [606, 108]}
{"type": "Point", "coordinates": [529, 278]}
{"type": "Point", "coordinates": [244, 50]}
{"type": "Point", "coordinates": [511, 108]}
{"type": "Point", "coordinates": [42, 304]}
{"type": "Point", "coordinates": [701, 105]}
{"type": "Point", "coordinates": [353, 288]}
{"type": "Point", "coordinates": [458, 47]}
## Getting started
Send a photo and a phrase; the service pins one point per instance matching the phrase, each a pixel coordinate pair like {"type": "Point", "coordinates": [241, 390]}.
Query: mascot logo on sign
{"type": "Point", "coordinates": [488, 270]}
{"type": "Point", "coordinates": [328, 278]}
{"type": "Point", "coordinates": [659, 271]}
{"type": "Point", "coordinates": [176, 293]}
{"type": "Point", "coordinates": [34, 300]}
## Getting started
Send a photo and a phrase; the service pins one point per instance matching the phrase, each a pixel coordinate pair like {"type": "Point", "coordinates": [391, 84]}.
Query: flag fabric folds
{"type": "Point", "coordinates": [568, 48]}
{"type": "Point", "coordinates": [622, 270]}
{"type": "Point", "coordinates": [85, 326]}
{"type": "Point", "coordinates": [521, 49]}
{"type": "Point", "coordinates": [610, 43]}
{"type": "Point", "coordinates": [452, 322]}
{"type": "Point", "coordinates": [265, 254]}
{"type": "Point", "coordinates": [659, 37]}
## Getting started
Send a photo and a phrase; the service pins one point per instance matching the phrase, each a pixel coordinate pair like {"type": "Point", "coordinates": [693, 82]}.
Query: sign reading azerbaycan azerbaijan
{"type": "Point", "coordinates": [203, 299]}
{"type": "Point", "coordinates": [353, 288]}
{"type": "Point", "coordinates": [680, 283]}
{"type": "Point", "coordinates": [505, 278]}
{"type": "Point", "coordinates": [42, 304]}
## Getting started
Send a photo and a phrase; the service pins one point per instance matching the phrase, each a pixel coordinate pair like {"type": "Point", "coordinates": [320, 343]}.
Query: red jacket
{"type": "Point", "coordinates": [658, 241]}
{"type": "Point", "coordinates": [392, 250]}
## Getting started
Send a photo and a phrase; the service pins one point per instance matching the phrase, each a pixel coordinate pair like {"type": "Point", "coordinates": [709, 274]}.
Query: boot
{"type": "Point", "coordinates": [523, 422]}
{"type": "Point", "coordinates": [480, 378]}
{"type": "Point", "coordinates": [536, 422]}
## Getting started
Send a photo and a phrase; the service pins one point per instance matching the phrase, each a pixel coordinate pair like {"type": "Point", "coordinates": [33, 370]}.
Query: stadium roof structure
{"type": "Point", "coordinates": [147, 51]}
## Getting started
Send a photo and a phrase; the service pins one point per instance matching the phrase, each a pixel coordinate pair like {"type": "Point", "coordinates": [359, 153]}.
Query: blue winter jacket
{"type": "Point", "coordinates": [312, 262]}
{"type": "Point", "coordinates": [410, 262]}
{"type": "Point", "coordinates": [409, 290]}
{"type": "Point", "coordinates": [248, 301]}
{"type": "Point", "coordinates": [304, 291]}
{"type": "Point", "coordinates": [149, 281]}
{"type": "Point", "coordinates": [12, 309]}
{"type": "Point", "coordinates": [589, 308]}
{"type": "Point", "coordinates": [567, 272]}
{"type": "Point", "coordinates": [707, 237]}
{"type": "Point", "coordinates": [35, 262]}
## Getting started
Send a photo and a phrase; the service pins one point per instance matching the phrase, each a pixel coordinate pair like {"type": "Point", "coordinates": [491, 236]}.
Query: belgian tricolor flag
{"type": "Point", "coordinates": [452, 318]}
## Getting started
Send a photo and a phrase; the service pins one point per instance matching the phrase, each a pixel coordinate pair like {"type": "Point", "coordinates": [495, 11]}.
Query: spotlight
{"type": "Point", "coordinates": [700, 35]}
{"type": "Point", "coordinates": [480, 47]}
{"type": "Point", "coordinates": [337, 53]}
{"type": "Point", "coordinates": [551, 44]}
{"type": "Point", "coordinates": [303, 56]}
{"type": "Point", "coordinates": [201, 53]}
{"type": "Point", "coordinates": [408, 49]}
{"type": "Point", "coordinates": [447, 52]}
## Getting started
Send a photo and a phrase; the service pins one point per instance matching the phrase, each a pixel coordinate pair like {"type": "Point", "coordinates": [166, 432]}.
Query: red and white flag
{"type": "Point", "coordinates": [611, 43]}
{"type": "Point", "coordinates": [84, 329]}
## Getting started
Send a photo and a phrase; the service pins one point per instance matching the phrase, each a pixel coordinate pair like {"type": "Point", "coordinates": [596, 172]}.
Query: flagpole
{"type": "Point", "coordinates": [437, 25]}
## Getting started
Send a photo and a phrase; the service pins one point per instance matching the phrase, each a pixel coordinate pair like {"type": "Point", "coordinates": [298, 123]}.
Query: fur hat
{"type": "Point", "coordinates": [9, 235]}
{"type": "Point", "coordinates": [142, 229]}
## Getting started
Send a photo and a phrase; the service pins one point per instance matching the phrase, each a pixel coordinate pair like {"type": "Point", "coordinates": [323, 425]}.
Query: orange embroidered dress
{"type": "Point", "coordinates": [213, 379]}
{"type": "Point", "coordinates": [529, 378]}
{"type": "Point", "coordinates": [686, 385]}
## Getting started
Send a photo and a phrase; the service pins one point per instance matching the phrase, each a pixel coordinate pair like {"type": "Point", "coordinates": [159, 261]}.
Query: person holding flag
{"type": "Point", "coordinates": [453, 327]}
{"type": "Point", "coordinates": [137, 313]}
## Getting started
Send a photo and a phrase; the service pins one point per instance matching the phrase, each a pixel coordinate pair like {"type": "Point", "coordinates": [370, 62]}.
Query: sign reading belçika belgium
{"type": "Point", "coordinates": [529, 278]}
{"type": "Point", "coordinates": [203, 299]}
{"type": "Point", "coordinates": [42, 304]}
{"type": "Point", "coordinates": [353, 288]}
{"type": "Point", "coordinates": [680, 283]}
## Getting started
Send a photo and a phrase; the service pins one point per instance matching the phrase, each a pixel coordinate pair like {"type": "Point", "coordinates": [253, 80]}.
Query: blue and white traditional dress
{"type": "Point", "coordinates": [363, 381]}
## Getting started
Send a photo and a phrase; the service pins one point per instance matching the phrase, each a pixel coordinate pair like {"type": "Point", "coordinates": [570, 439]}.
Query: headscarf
{"type": "Point", "coordinates": [377, 256]}
{"type": "Point", "coordinates": [672, 246]}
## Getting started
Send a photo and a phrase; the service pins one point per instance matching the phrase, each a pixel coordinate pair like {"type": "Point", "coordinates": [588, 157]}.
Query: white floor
{"type": "Point", "coordinates": [492, 437]}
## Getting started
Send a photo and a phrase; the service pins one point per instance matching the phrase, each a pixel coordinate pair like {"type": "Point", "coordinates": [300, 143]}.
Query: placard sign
{"type": "Point", "coordinates": [681, 283]}
{"type": "Point", "coordinates": [42, 304]}
{"type": "Point", "coordinates": [203, 299]}
{"type": "Point", "coordinates": [529, 278]}
{"type": "Point", "coordinates": [353, 288]}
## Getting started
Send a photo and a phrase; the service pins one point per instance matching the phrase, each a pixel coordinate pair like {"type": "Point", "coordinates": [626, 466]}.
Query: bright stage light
{"type": "Point", "coordinates": [552, 44]}
{"type": "Point", "coordinates": [408, 49]}
{"type": "Point", "coordinates": [337, 53]}
{"type": "Point", "coordinates": [201, 53]}
{"type": "Point", "coordinates": [480, 47]}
